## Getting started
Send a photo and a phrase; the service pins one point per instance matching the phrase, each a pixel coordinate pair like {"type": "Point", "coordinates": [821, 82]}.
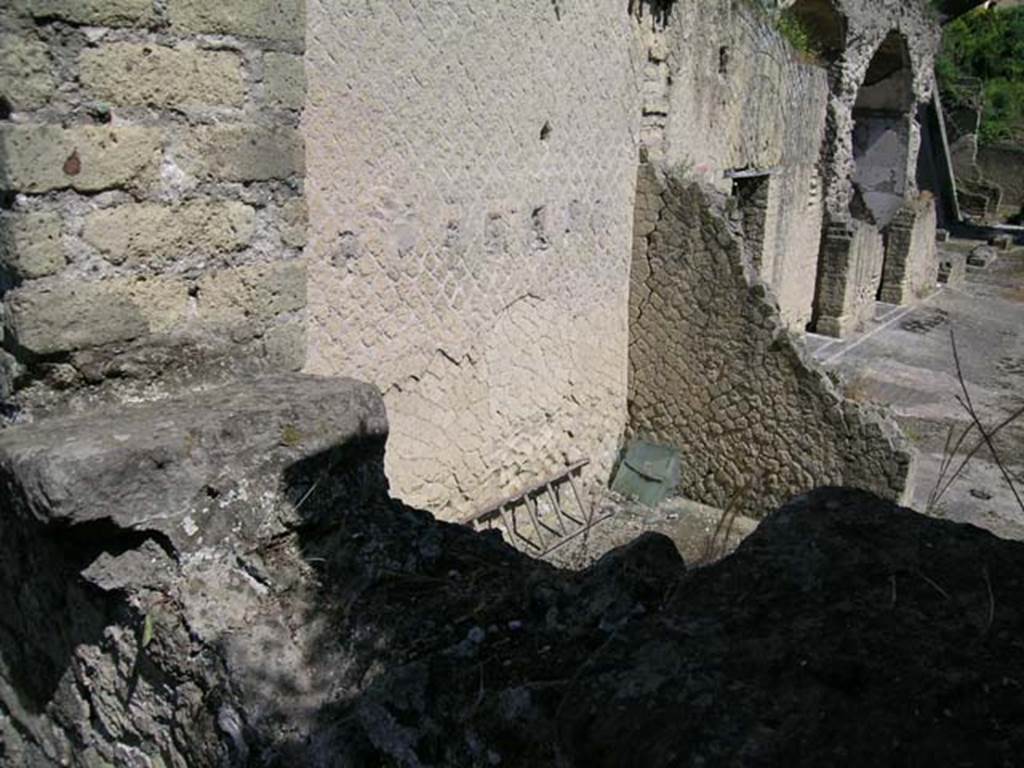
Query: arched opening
{"type": "Point", "coordinates": [881, 135]}
{"type": "Point", "coordinates": [824, 25]}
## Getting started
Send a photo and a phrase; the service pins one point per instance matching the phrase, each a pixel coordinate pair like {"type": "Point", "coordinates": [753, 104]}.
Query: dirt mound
{"type": "Point", "coordinates": [845, 631]}
{"type": "Point", "coordinates": [332, 626]}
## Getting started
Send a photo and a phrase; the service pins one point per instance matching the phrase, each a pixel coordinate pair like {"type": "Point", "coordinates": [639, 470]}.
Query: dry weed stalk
{"type": "Point", "coordinates": [952, 447]}
{"type": "Point", "coordinates": [716, 546]}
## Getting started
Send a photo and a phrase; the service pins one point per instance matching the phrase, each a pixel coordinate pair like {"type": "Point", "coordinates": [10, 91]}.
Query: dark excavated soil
{"type": "Point", "coordinates": [844, 631]}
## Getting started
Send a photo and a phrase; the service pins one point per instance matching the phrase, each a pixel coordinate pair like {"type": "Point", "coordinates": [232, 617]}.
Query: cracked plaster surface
{"type": "Point", "coordinates": [471, 174]}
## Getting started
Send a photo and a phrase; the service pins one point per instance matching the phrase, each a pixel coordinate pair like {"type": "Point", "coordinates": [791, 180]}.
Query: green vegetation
{"type": "Point", "coordinates": [987, 47]}
{"type": "Point", "coordinates": [793, 28]}
{"type": "Point", "coordinates": [290, 436]}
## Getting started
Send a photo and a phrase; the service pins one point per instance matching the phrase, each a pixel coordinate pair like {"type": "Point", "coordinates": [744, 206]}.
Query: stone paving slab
{"type": "Point", "coordinates": [903, 358]}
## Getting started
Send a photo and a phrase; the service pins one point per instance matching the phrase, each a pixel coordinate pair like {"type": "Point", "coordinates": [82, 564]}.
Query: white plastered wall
{"type": "Point", "coordinates": [471, 177]}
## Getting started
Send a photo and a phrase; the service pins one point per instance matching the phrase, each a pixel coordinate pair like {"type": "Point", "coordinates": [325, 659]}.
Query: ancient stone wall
{"type": "Point", "coordinates": [868, 24]}
{"type": "Point", "coordinates": [740, 99]}
{"type": "Point", "coordinates": [153, 218]}
{"type": "Point", "coordinates": [714, 372]}
{"type": "Point", "coordinates": [871, 148]}
{"type": "Point", "coordinates": [911, 263]}
{"type": "Point", "coordinates": [467, 190]}
{"type": "Point", "coordinates": [471, 182]}
{"type": "Point", "coordinates": [849, 273]}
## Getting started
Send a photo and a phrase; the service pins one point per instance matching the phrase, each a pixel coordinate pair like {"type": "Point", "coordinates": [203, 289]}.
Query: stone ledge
{"type": "Point", "coordinates": [197, 468]}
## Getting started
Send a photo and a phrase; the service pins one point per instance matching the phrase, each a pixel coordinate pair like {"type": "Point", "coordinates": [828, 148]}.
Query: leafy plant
{"type": "Point", "coordinates": [798, 34]}
{"type": "Point", "coordinates": [983, 52]}
{"type": "Point", "coordinates": [290, 436]}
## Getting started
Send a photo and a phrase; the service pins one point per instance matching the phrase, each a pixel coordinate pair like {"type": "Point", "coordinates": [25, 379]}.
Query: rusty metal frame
{"type": "Point", "coordinates": [546, 537]}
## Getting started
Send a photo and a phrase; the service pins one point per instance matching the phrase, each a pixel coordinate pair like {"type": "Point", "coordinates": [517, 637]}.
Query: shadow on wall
{"type": "Point", "coordinates": [658, 9]}
{"type": "Point", "coordinates": [70, 642]}
{"type": "Point", "coordinates": [823, 24]}
{"type": "Point", "coordinates": [367, 633]}
{"type": "Point", "coordinates": [39, 572]}
{"type": "Point", "coordinates": [404, 603]}
{"type": "Point", "coordinates": [355, 637]}
{"type": "Point", "coordinates": [7, 278]}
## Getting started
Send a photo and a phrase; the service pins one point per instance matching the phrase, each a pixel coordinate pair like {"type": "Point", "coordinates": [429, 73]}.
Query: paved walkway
{"type": "Point", "coordinates": [904, 359]}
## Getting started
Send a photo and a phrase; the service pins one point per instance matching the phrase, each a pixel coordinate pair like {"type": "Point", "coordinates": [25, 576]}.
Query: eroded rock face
{"type": "Point", "coordinates": [345, 629]}
{"type": "Point", "coordinates": [149, 609]}
{"type": "Point", "coordinates": [845, 631]}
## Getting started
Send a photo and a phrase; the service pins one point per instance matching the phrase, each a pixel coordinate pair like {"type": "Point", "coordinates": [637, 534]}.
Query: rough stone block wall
{"type": "Point", "coordinates": [714, 372]}
{"type": "Point", "coordinates": [740, 99]}
{"type": "Point", "coordinates": [153, 217]}
{"type": "Point", "coordinates": [471, 174]}
{"type": "Point", "coordinates": [868, 24]}
{"type": "Point", "coordinates": [849, 274]}
{"type": "Point", "coordinates": [911, 255]}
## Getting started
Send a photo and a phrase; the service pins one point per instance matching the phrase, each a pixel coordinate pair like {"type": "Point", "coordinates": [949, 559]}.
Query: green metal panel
{"type": "Point", "coordinates": [648, 473]}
